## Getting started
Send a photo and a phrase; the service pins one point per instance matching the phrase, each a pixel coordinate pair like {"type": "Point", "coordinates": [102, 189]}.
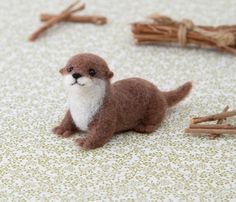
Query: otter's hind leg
{"type": "Point", "coordinates": [153, 117]}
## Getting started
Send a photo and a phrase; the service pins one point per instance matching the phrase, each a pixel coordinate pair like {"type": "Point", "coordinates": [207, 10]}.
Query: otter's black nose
{"type": "Point", "coordinates": [76, 75]}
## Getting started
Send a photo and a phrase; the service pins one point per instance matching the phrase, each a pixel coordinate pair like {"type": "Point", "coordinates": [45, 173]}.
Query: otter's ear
{"type": "Point", "coordinates": [62, 70]}
{"type": "Point", "coordinates": [110, 74]}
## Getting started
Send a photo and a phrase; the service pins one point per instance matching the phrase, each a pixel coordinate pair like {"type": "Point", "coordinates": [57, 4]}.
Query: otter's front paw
{"type": "Point", "coordinates": [86, 143]}
{"type": "Point", "coordinates": [62, 132]}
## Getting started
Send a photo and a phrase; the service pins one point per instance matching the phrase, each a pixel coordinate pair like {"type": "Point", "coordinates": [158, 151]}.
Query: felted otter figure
{"type": "Point", "coordinates": [102, 109]}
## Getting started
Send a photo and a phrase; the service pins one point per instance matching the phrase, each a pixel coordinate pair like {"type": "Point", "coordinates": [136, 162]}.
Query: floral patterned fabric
{"type": "Point", "coordinates": [167, 165]}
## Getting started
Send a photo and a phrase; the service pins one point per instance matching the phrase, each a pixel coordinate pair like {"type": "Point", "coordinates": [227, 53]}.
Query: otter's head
{"type": "Point", "coordinates": [86, 71]}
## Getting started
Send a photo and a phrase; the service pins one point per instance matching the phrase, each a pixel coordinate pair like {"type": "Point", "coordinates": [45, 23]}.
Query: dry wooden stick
{"type": "Point", "coordinates": [163, 29]}
{"type": "Point", "coordinates": [215, 131]}
{"type": "Point", "coordinates": [98, 20]}
{"type": "Point", "coordinates": [211, 126]}
{"type": "Point", "coordinates": [214, 117]}
{"type": "Point", "coordinates": [63, 15]}
{"type": "Point", "coordinates": [220, 121]}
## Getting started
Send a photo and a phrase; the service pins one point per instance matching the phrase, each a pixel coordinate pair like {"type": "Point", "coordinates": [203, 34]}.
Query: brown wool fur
{"type": "Point", "coordinates": [129, 104]}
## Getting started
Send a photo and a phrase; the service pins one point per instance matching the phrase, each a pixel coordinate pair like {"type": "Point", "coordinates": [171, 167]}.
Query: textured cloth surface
{"type": "Point", "coordinates": [170, 165]}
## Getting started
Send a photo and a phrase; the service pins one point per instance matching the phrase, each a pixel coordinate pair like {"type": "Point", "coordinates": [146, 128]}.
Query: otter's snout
{"type": "Point", "coordinates": [76, 75]}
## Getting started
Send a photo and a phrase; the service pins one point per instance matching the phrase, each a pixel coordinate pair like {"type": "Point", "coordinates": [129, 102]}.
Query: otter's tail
{"type": "Point", "coordinates": [175, 96]}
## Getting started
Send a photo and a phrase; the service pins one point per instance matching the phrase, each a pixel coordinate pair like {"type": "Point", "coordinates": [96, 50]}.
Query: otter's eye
{"type": "Point", "coordinates": [92, 72]}
{"type": "Point", "coordinates": [70, 69]}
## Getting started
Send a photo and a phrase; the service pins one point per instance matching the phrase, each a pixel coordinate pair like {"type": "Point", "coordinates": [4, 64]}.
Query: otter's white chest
{"type": "Point", "coordinates": [82, 112]}
{"type": "Point", "coordinates": [84, 107]}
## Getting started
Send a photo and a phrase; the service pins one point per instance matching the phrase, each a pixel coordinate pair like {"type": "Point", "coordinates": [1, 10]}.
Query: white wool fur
{"type": "Point", "coordinates": [84, 98]}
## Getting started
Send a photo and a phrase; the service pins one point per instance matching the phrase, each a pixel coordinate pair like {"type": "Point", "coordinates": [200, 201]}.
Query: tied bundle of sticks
{"type": "Point", "coordinates": [163, 29]}
{"type": "Point", "coordinates": [214, 130]}
{"type": "Point", "coordinates": [66, 15]}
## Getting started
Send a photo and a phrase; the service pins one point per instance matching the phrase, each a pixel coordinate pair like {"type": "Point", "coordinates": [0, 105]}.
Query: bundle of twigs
{"type": "Point", "coordinates": [66, 15]}
{"type": "Point", "coordinates": [163, 29]}
{"type": "Point", "coordinates": [214, 130]}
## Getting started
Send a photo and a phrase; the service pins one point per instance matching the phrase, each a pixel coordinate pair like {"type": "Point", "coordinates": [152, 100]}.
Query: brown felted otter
{"type": "Point", "coordinates": [102, 108]}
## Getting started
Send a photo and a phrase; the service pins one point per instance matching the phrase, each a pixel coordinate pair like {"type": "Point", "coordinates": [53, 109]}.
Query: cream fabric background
{"type": "Point", "coordinates": [168, 165]}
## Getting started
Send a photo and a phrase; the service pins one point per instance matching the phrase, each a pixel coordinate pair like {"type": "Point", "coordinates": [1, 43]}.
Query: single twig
{"type": "Point", "coordinates": [71, 6]}
{"type": "Point", "coordinates": [219, 122]}
{"type": "Point", "coordinates": [98, 20]}
{"type": "Point", "coordinates": [214, 117]}
{"type": "Point", "coordinates": [211, 126]}
{"type": "Point", "coordinates": [63, 15]}
{"type": "Point", "coordinates": [215, 131]}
